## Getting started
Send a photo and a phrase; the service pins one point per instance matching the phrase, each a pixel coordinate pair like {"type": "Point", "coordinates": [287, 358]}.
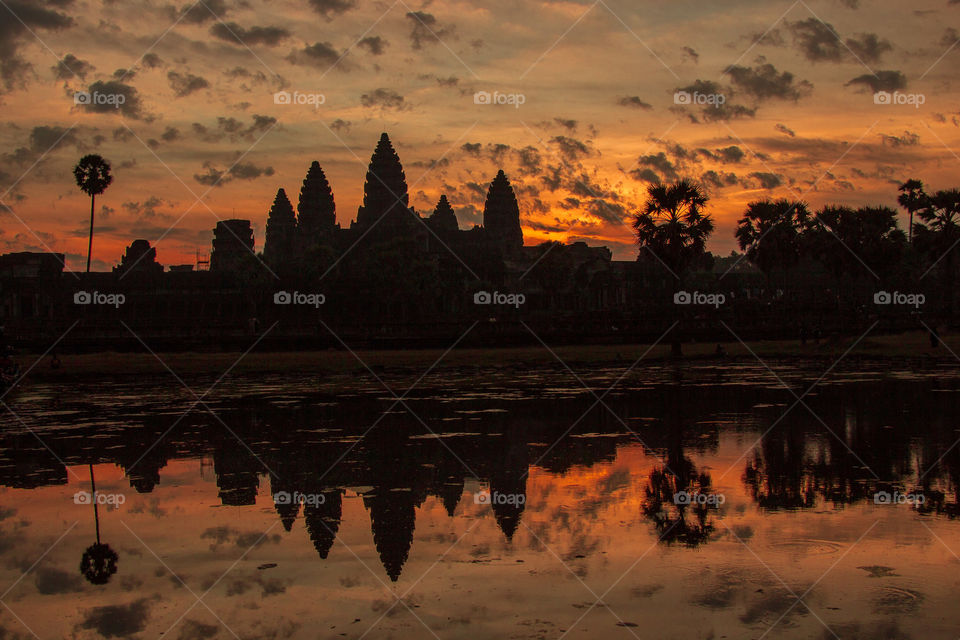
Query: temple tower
{"type": "Point", "coordinates": [385, 198]}
{"type": "Point", "coordinates": [281, 232]}
{"type": "Point", "coordinates": [317, 212]}
{"type": "Point", "coordinates": [501, 214]}
{"type": "Point", "coordinates": [443, 218]}
{"type": "Point", "coordinates": [232, 243]}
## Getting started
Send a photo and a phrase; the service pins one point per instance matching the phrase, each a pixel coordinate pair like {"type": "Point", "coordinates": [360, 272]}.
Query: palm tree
{"type": "Point", "coordinates": [770, 233]}
{"type": "Point", "coordinates": [938, 234]}
{"type": "Point", "coordinates": [93, 177]}
{"type": "Point", "coordinates": [912, 198]}
{"type": "Point", "coordinates": [99, 561]}
{"type": "Point", "coordinates": [674, 228]}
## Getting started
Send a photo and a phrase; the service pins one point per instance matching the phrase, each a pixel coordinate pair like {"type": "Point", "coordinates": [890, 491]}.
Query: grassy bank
{"type": "Point", "coordinates": [901, 347]}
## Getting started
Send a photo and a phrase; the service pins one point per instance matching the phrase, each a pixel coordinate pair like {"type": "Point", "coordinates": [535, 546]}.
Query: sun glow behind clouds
{"type": "Point", "coordinates": [597, 122]}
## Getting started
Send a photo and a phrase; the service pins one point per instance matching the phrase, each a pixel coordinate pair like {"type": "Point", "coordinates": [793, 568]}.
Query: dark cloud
{"type": "Point", "coordinates": [71, 66]}
{"type": "Point", "coordinates": [170, 134]}
{"type": "Point", "coordinates": [53, 581]}
{"type": "Point", "coordinates": [211, 177]}
{"type": "Point", "coordinates": [44, 138]}
{"type": "Point", "coordinates": [231, 32]}
{"type": "Point", "coordinates": [881, 81]}
{"type": "Point", "coordinates": [634, 101]}
{"type": "Point", "coordinates": [784, 129]}
{"type": "Point", "coordinates": [249, 171]}
{"type": "Point", "coordinates": [820, 42]}
{"type": "Point", "coordinates": [767, 180]}
{"type": "Point", "coordinates": [330, 9]}
{"type": "Point", "coordinates": [194, 630]}
{"type": "Point", "coordinates": [200, 12]}
{"type": "Point", "coordinates": [148, 208]}
{"type": "Point", "coordinates": [130, 106]}
{"type": "Point", "coordinates": [570, 148]}
{"type": "Point", "coordinates": [183, 84]}
{"type": "Point", "coordinates": [383, 98]}
{"type": "Point", "coordinates": [570, 125]}
{"type": "Point", "coordinates": [718, 179]}
{"type": "Point", "coordinates": [234, 129]}
{"type": "Point", "coordinates": [471, 148]}
{"type": "Point", "coordinates": [152, 61]}
{"type": "Point", "coordinates": [731, 154]}
{"type": "Point", "coordinates": [318, 54]}
{"type": "Point", "coordinates": [726, 111]}
{"type": "Point", "coordinates": [118, 620]}
{"type": "Point", "coordinates": [907, 139]}
{"type": "Point", "coordinates": [659, 162]}
{"type": "Point", "coordinates": [869, 47]}
{"type": "Point", "coordinates": [374, 44]}
{"type": "Point", "coordinates": [426, 29]}
{"type": "Point", "coordinates": [340, 125]}
{"type": "Point", "coordinates": [13, 31]}
{"type": "Point", "coordinates": [690, 52]}
{"type": "Point", "coordinates": [763, 82]}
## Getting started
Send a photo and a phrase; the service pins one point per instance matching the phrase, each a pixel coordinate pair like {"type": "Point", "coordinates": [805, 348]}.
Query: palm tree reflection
{"type": "Point", "coordinates": [99, 561]}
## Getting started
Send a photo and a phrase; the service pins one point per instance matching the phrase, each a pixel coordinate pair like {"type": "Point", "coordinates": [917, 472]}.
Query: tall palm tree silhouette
{"type": "Point", "coordinates": [93, 178]}
{"type": "Point", "coordinates": [674, 228]}
{"type": "Point", "coordinates": [99, 561]}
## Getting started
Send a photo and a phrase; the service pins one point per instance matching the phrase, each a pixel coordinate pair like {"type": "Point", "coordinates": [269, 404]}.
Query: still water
{"type": "Point", "coordinates": [702, 501]}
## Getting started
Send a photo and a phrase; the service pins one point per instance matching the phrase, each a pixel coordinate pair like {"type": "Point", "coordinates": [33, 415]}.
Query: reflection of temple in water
{"type": "Point", "coordinates": [396, 467]}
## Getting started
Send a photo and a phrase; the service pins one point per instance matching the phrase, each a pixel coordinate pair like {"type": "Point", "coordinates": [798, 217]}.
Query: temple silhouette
{"type": "Point", "coordinates": [391, 276]}
{"type": "Point", "coordinates": [319, 448]}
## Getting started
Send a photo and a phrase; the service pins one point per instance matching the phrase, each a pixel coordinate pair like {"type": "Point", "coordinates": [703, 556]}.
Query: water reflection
{"type": "Point", "coordinates": [856, 438]}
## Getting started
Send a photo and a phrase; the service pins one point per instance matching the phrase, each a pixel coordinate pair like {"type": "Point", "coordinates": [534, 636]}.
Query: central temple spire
{"type": "Point", "coordinates": [385, 190]}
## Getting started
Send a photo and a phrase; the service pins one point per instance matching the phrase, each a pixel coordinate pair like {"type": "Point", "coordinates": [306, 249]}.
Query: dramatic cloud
{"type": "Point", "coordinates": [881, 81]}
{"type": "Point", "coordinates": [29, 17]}
{"type": "Point", "coordinates": [200, 12]}
{"type": "Point", "coordinates": [129, 106]}
{"type": "Point", "coordinates": [118, 620]}
{"type": "Point", "coordinates": [767, 180]}
{"type": "Point", "coordinates": [318, 54]}
{"type": "Point", "coordinates": [820, 42]}
{"type": "Point", "coordinates": [71, 66]}
{"type": "Point", "coordinates": [763, 83]}
{"type": "Point", "coordinates": [426, 29]}
{"type": "Point", "coordinates": [635, 102]}
{"type": "Point", "coordinates": [869, 47]}
{"type": "Point", "coordinates": [373, 44]}
{"type": "Point", "coordinates": [330, 9]}
{"type": "Point", "coordinates": [383, 98]}
{"type": "Point", "coordinates": [232, 32]}
{"type": "Point", "coordinates": [183, 84]}
{"type": "Point", "coordinates": [784, 129]}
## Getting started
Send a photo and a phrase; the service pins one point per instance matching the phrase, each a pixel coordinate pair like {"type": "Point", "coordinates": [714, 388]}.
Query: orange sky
{"type": "Point", "coordinates": [597, 123]}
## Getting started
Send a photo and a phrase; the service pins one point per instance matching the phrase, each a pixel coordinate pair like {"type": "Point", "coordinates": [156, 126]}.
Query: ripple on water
{"type": "Point", "coordinates": [807, 547]}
